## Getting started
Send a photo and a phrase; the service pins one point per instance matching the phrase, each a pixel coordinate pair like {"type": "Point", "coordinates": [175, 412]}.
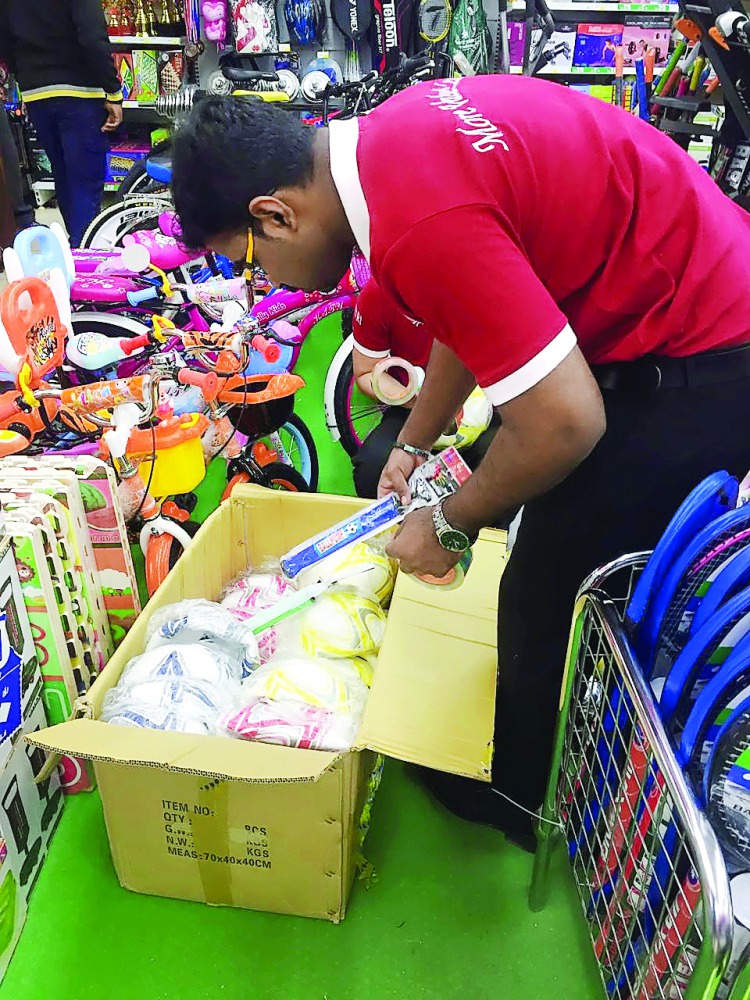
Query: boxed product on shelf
{"type": "Point", "coordinates": [124, 65]}
{"type": "Point", "coordinates": [146, 73]}
{"type": "Point", "coordinates": [639, 35]}
{"type": "Point", "coordinates": [596, 43]}
{"type": "Point", "coordinates": [273, 827]}
{"type": "Point", "coordinates": [123, 157]}
{"type": "Point", "coordinates": [20, 680]}
{"type": "Point", "coordinates": [170, 66]}
{"type": "Point", "coordinates": [560, 46]}
{"type": "Point", "coordinates": [516, 40]}
{"type": "Point", "coordinates": [29, 812]}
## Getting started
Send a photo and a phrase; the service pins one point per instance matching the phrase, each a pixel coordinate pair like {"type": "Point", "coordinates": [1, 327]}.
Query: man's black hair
{"type": "Point", "coordinates": [229, 151]}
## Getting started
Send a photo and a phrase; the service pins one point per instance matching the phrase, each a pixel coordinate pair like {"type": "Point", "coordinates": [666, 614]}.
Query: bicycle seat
{"type": "Point", "coordinates": [238, 75]}
{"type": "Point", "coordinates": [159, 166]}
{"type": "Point", "coordinates": [98, 288]}
{"type": "Point", "coordinates": [164, 251]}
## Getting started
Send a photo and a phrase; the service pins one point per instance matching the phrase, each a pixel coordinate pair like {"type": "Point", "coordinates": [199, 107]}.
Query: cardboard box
{"type": "Point", "coordinates": [29, 813]}
{"type": "Point", "coordinates": [146, 75]}
{"type": "Point", "coordinates": [596, 44]}
{"type": "Point", "coordinates": [122, 158]}
{"type": "Point", "coordinates": [124, 67]}
{"type": "Point", "coordinates": [639, 35]}
{"type": "Point", "coordinates": [246, 824]}
{"type": "Point", "coordinates": [20, 680]}
{"type": "Point", "coordinates": [171, 67]}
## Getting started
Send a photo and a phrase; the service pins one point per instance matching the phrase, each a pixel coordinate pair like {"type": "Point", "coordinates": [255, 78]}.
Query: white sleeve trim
{"type": "Point", "coordinates": [530, 374]}
{"type": "Point", "coordinates": [343, 137]}
{"type": "Point", "coordinates": [370, 354]}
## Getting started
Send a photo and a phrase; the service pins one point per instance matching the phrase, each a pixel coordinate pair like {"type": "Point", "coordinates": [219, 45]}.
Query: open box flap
{"type": "Point", "coordinates": [214, 756]}
{"type": "Point", "coordinates": [433, 697]}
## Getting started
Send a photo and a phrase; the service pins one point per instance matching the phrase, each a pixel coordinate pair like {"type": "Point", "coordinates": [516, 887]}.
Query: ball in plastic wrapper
{"type": "Point", "coordinates": [376, 579]}
{"type": "Point", "coordinates": [326, 684]}
{"type": "Point", "coordinates": [209, 624]}
{"type": "Point", "coordinates": [199, 662]}
{"type": "Point", "coordinates": [178, 705]}
{"type": "Point", "coordinates": [476, 416]}
{"type": "Point", "coordinates": [292, 724]}
{"type": "Point", "coordinates": [255, 593]}
{"type": "Point", "coordinates": [341, 624]}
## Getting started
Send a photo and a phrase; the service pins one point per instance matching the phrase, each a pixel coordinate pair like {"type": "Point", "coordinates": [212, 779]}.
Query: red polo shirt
{"type": "Point", "coordinates": [515, 217]}
{"type": "Point", "coordinates": [381, 329]}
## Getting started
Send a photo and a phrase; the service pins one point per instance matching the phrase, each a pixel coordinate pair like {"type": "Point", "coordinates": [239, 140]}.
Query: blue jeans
{"type": "Point", "coordinates": [69, 129]}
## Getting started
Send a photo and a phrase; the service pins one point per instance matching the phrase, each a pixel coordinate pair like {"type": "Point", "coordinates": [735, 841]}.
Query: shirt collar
{"type": "Point", "coordinates": [343, 137]}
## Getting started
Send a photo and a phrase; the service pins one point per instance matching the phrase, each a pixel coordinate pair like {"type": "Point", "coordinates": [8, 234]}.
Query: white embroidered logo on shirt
{"type": "Point", "coordinates": [446, 96]}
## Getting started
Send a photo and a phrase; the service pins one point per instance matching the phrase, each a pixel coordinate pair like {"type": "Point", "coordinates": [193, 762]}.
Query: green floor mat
{"type": "Point", "coordinates": [446, 919]}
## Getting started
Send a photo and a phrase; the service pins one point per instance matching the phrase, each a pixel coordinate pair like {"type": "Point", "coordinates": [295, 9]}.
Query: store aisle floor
{"type": "Point", "coordinates": [446, 919]}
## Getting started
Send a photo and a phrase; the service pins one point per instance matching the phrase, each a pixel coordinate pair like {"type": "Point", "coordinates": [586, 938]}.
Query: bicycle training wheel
{"type": "Point", "coordinates": [354, 412]}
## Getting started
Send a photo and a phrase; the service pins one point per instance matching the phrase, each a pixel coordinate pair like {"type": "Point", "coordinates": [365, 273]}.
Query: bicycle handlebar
{"type": "Point", "coordinates": [144, 295]}
{"type": "Point", "coordinates": [207, 382]}
{"type": "Point", "coordinates": [271, 351]}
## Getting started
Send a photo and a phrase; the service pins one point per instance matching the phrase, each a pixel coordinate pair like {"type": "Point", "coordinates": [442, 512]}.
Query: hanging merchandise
{"type": "Point", "coordinates": [304, 18]}
{"type": "Point", "coordinates": [470, 36]}
{"type": "Point", "coordinates": [353, 19]}
{"type": "Point", "coordinates": [254, 26]}
{"type": "Point", "coordinates": [215, 21]}
{"type": "Point", "coordinates": [321, 71]}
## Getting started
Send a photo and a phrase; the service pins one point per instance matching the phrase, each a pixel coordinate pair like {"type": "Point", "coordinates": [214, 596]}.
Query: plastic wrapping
{"type": "Point", "coordinates": [376, 581]}
{"type": "Point", "coordinates": [174, 662]}
{"type": "Point", "coordinates": [255, 592]}
{"type": "Point", "coordinates": [293, 724]}
{"type": "Point", "coordinates": [333, 685]}
{"type": "Point", "coordinates": [180, 706]}
{"type": "Point", "coordinates": [340, 624]}
{"type": "Point", "coordinates": [211, 625]}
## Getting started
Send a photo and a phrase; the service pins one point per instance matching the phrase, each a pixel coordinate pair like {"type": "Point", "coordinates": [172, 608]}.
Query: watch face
{"type": "Point", "coordinates": [453, 540]}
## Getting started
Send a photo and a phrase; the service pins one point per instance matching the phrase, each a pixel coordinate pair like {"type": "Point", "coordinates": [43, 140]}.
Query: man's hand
{"type": "Point", "coordinates": [417, 549]}
{"type": "Point", "coordinates": [114, 116]}
{"type": "Point", "coordinates": [395, 475]}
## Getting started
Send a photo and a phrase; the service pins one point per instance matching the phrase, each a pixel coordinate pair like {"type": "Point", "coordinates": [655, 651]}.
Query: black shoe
{"type": "Point", "coordinates": [479, 803]}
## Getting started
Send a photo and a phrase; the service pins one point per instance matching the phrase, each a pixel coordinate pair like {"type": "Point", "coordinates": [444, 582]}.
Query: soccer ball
{"type": "Point", "coordinates": [376, 581]}
{"type": "Point", "coordinates": [474, 421]}
{"type": "Point", "coordinates": [342, 624]}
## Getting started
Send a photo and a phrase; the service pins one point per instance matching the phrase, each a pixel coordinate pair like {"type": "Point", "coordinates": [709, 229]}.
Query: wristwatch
{"type": "Point", "coordinates": [452, 539]}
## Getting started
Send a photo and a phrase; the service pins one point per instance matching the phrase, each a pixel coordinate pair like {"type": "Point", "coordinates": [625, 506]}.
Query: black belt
{"type": "Point", "coordinates": [654, 372]}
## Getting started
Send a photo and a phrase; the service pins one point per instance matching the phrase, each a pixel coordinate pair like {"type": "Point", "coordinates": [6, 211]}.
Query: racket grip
{"type": "Point", "coordinates": [207, 382]}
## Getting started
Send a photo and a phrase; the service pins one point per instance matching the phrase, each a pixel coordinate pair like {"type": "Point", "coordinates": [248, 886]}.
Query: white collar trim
{"type": "Point", "coordinates": [342, 138]}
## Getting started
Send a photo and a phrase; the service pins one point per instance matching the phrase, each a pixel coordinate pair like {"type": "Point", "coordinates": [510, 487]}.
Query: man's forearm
{"type": "Point", "coordinates": [447, 384]}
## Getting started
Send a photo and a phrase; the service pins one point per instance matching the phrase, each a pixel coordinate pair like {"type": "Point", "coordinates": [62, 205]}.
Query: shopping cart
{"type": "Point", "coordinates": [647, 866]}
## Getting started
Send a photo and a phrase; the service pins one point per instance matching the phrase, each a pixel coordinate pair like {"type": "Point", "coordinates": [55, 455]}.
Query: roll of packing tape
{"type": "Point", "coordinates": [452, 579]}
{"type": "Point", "coordinates": [414, 380]}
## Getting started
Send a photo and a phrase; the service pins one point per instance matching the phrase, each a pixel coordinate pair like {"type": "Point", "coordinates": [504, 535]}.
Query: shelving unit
{"type": "Point", "coordinates": [603, 6]}
{"type": "Point", "coordinates": [579, 71]}
{"type": "Point", "coordinates": [147, 42]}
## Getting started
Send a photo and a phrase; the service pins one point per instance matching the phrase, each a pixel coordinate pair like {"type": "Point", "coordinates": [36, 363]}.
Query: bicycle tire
{"type": "Point", "coordinates": [308, 465]}
{"type": "Point", "coordinates": [279, 476]}
{"type": "Point", "coordinates": [118, 220]}
{"type": "Point", "coordinates": [345, 394]}
{"type": "Point", "coordinates": [238, 479]}
{"type": "Point", "coordinates": [138, 182]}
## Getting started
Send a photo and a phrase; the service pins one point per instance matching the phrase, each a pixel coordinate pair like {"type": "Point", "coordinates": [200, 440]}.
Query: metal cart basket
{"type": "Point", "coordinates": [647, 865]}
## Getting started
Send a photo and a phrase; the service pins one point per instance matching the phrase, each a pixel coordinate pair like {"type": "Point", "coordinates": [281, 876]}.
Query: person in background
{"type": "Point", "coordinates": [380, 331]}
{"type": "Point", "coordinates": [23, 214]}
{"type": "Point", "coordinates": [59, 52]}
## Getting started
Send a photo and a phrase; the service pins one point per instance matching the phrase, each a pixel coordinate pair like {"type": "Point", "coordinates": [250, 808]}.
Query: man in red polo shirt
{"type": "Point", "coordinates": [568, 258]}
{"type": "Point", "coordinates": [382, 331]}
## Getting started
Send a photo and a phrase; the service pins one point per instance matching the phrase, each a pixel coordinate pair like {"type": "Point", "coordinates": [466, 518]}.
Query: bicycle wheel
{"type": "Point", "coordinates": [299, 446]}
{"type": "Point", "coordinates": [354, 412]}
{"type": "Point", "coordinates": [279, 476]}
{"type": "Point", "coordinates": [109, 227]}
{"type": "Point", "coordinates": [138, 182]}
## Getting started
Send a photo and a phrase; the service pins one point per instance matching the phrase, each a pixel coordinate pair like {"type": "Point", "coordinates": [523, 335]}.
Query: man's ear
{"type": "Point", "coordinates": [276, 218]}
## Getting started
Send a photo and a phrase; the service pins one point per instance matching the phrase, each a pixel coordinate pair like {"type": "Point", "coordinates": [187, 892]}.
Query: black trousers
{"type": "Point", "coordinates": [656, 448]}
{"type": "Point", "coordinates": [370, 460]}
{"type": "Point", "coordinates": [23, 213]}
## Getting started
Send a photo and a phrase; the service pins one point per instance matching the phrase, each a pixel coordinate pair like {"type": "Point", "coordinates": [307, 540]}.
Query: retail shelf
{"type": "Point", "coordinates": [604, 5]}
{"type": "Point", "coordinates": [139, 105]}
{"type": "Point", "coordinates": [578, 71]}
{"type": "Point", "coordinates": [147, 42]}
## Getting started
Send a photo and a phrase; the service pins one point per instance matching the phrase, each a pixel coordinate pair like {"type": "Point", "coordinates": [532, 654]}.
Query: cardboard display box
{"type": "Point", "coordinates": [246, 824]}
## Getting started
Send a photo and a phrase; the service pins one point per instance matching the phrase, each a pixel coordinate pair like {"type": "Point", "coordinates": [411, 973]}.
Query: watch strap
{"type": "Point", "coordinates": [411, 449]}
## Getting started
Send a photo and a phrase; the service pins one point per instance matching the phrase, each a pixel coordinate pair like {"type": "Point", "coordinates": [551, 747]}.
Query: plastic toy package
{"type": "Point", "coordinates": [208, 625]}
{"type": "Point", "coordinates": [256, 591]}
